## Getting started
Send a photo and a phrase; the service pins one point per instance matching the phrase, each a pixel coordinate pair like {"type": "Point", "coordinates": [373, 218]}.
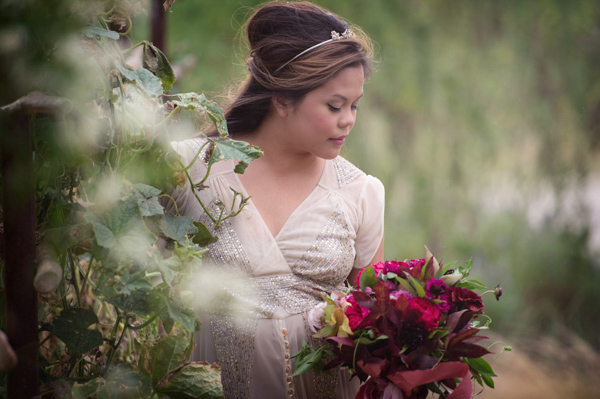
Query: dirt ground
{"type": "Point", "coordinates": [546, 369]}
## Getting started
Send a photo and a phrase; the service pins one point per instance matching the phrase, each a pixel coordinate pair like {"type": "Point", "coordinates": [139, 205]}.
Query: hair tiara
{"type": "Point", "coordinates": [347, 34]}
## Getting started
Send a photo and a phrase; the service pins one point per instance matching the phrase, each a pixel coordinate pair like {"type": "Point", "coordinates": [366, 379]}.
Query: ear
{"type": "Point", "coordinates": [281, 105]}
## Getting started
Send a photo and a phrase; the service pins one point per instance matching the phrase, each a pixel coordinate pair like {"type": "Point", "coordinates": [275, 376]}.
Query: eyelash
{"type": "Point", "coordinates": [334, 109]}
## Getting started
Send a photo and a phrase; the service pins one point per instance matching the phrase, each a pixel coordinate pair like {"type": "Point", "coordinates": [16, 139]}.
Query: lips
{"type": "Point", "coordinates": [338, 140]}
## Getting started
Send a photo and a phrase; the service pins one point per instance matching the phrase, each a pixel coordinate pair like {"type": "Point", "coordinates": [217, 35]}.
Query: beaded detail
{"type": "Point", "coordinates": [345, 171]}
{"type": "Point", "coordinates": [331, 256]}
{"type": "Point", "coordinates": [235, 352]}
{"type": "Point", "coordinates": [198, 145]}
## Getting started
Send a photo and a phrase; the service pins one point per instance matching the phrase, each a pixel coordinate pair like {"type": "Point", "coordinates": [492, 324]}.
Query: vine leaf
{"type": "Point", "coordinates": [94, 32]}
{"type": "Point", "coordinates": [85, 391]}
{"type": "Point", "coordinates": [177, 312]}
{"type": "Point", "coordinates": [203, 237]}
{"type": "Point", "coordinates": [144, 79]}
{"type": "Point", "coordinates": [156, 62]}
{"type": "Point", "coordinates": [147, 199]}
{"type": "Point", "coordinates": [177, 227]}
{"type": "Point", "coordinates": [142, 301]}
{"type": "Point", "coordinates": [122, 228]}
{"type": "Point", "coordinates": [193, 380]}
{"type": "Point", "coordinates": [194, 101]}
{"type": "Point", "coordinates": [234, 149]}
{"type": "Point", "coordinates": [166, 356]}
{"type": "Point", "coordinates": [71, 327]}
{"type": "Point", "coordinates": [123, 382]}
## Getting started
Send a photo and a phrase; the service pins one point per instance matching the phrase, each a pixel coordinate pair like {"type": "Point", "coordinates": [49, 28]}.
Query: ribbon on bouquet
{"type": "Point", "coordinates": [407, 380]}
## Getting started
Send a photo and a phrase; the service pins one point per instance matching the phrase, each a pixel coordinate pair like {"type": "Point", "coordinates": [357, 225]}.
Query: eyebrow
{"type": "Point", "coordinates": [344, 97]}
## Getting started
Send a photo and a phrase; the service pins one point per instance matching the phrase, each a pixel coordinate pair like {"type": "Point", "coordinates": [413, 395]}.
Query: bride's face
{"type": "Point", "coordinates": [320, 123]}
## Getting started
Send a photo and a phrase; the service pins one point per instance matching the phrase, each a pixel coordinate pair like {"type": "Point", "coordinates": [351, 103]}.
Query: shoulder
{"type": "Point", "coordinates": [346, 172]}
{"type": "Point", "coordinates": [351, 182]}
{"type": "Point", "coordinates": [194, 148]}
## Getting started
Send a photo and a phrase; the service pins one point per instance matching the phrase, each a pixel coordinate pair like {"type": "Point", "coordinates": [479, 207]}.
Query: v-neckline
{"type": "Point", "coordinates": [300, 205]}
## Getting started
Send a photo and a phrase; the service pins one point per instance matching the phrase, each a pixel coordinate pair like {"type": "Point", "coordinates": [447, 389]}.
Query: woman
{"type": "Point", "coordinates": [313, 220]}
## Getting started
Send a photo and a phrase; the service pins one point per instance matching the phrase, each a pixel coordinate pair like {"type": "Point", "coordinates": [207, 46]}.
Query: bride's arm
{"type": "Point", "coordinates": [377, 258]}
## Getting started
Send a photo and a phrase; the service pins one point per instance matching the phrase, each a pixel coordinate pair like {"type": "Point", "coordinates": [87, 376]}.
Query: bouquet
{"type": "Point", "coordinates": [408, 329]}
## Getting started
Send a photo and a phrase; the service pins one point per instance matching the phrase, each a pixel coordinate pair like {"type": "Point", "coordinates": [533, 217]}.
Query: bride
{"type": "Point", "coordinates": [313, 220]}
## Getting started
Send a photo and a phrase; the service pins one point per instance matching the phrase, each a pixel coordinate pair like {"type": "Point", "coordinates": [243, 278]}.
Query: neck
{"type": "Point", "coordinates": [279, 156]}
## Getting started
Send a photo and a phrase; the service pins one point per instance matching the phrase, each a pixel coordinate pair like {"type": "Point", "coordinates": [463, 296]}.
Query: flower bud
{"type": "Point", "coordinates": [498, 292]}
{"type": "Point", "coordinates": [451, 279]}
{"type": "Point", "coordinates": [8, 357]}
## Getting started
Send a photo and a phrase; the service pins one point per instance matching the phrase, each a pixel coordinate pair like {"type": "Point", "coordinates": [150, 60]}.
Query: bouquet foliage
{"type": "Point", "coordinates": [408, 329]}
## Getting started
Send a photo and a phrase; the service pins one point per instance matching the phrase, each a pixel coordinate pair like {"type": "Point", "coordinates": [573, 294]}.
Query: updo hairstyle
{"type": "Point", "coordinates": [278, 32]}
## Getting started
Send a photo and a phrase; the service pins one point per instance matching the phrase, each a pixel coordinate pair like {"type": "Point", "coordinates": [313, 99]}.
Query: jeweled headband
{"type": "Point", "coordinates": [334, 36]}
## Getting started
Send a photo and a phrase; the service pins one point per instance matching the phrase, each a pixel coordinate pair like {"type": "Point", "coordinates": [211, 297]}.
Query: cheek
{"type": "Point", "coordinates": [324, 121]}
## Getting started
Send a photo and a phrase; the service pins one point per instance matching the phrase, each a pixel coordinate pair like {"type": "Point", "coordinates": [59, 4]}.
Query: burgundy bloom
{"type": "Point", "coordinates": [436, 288]}
{"type": "Point", "coordinates": [355, 313]}
{"type": "Point", "coordinates": [463, 298]}
{"type": "Point", "coordinates": [430, 314]}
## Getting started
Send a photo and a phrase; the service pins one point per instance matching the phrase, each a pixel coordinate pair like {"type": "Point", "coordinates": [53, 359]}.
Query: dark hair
{"type": "Point", "coordinates": [276, 33]}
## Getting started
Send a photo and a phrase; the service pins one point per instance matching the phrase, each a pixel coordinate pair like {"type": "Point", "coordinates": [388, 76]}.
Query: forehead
{"type": "Point", "coordinates": [347, 83]}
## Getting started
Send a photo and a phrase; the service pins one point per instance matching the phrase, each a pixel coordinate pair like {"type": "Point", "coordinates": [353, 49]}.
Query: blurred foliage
{"type": "Point", "coordinates": [113, 319]}
{"type": "Point", "coordinates": [482, 117]}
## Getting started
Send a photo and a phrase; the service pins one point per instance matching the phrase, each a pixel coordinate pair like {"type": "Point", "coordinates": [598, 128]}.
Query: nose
{"type": "Point", "coordinates": [347, 119]}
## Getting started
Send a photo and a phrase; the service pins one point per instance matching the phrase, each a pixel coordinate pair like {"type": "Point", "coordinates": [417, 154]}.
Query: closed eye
{"type": "Point", "coordinates": [334, 109]}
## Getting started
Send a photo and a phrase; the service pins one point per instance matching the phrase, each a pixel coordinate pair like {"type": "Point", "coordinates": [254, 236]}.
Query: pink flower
{"type": "Point", "coordinates": [315, 317]}
{"type": "Point", "coordinates": [430, 314]}
{"type": "Point", "coordinates": [355, 312]}
{"type": "Point", "coordinates": [357, 281]}
{"type": "Point", "coordinates": [378, 267]}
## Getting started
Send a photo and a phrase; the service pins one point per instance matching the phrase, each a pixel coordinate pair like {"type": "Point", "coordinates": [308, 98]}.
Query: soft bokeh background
{"type": "Point", "coordinates": [483, 122]}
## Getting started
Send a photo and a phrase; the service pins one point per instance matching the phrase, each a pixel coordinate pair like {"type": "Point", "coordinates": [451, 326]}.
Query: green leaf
{"type": "Point", "coordinates": [182, 315]}
{"type": "Point", "coordinates": [203, 236]}
{"type": "Point", "coordinates": [480, 365]}
{"type": "Point", "coordinates": [196, 380]}
{"type": "Point", "coordinates": [169, 268]}
{"type": "Point", "coordinates": [233, 149]}
{"type": "Point", "coordinates": [367, 278]}
{"type": "Point", "coordinates": [416, 285]}
{"type": "Point", "coordinates": [147, 199]}
{"type": "Point", "coordinates": [85, 391]}
{"type": "Point", "coordinates": [144, 79]}
{"type": "Point", "coordinates": [177, 227]}
{"type": "Point", "coordinates": [471, 285]}
{"type": "Point", "coordinates": [71, 327]}
{"type": "Point", "coordinates": [143, 302]}
{"type": "Point", "coordinates": [444, 269]}
{"type": "Point", "coordinates": [123, 382]}
{"type": "Point", "coordinates": [407, 286]}
{"type": "Point", "coordinates": [198, 102]}
{"type": "Point", "coordinates": [156, 62]}
{"type": "Point", "coordinates": [150, 83]}
{"type": "Point", "coordinates": [95, 33]}
{"type": "Point", "coordinates": [488, 380]}
{"type": "Point", "coordinates": [166, 356]}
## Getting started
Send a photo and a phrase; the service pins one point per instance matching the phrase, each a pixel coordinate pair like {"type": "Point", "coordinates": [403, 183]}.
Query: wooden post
{"type": "Point", "coordinates": [18, 211]}
{"type": "Point", "coordinates": [158, 25]}
{"type": "Point", "coordinates": [19, 254]}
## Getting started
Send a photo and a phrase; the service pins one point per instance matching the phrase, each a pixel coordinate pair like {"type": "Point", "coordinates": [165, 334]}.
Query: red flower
{"type": "Point", "coordinates": [355, 313]}
{"type": "Point", "coordinates": [463, 298]}
{"type": "Point", "coordinates": [430, 314]}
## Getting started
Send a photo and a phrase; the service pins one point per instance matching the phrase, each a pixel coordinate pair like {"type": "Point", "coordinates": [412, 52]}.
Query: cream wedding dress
{"type": "Point", "coordinates": [257, 289]}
